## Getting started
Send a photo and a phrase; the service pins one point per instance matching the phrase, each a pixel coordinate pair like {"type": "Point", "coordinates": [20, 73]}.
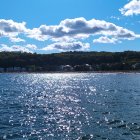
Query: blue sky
{"type": "Point", "coordinates": [87, 25]}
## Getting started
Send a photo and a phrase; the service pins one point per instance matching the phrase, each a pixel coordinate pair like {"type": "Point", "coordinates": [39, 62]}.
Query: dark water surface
{"type": "Point", "coordinates": [70, 106]}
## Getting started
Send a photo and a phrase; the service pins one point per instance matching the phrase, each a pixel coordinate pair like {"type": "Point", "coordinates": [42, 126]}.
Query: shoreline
{"type": "Point", "coordinates": [69, 72]}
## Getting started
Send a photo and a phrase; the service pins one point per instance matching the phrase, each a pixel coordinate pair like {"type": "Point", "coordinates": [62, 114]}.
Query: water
{"type": "Point", "coordinates": [70, 106]}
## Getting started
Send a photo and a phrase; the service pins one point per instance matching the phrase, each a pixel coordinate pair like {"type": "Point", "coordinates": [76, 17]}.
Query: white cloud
{"type": "Point", "coordinates": [20, 48]}
{"type": "Point", "coordinates": [74, 29]}
{"type": "Point", "coordinates": [16, 39]}
{"type": "Point", "coordinates": [5, 48]}
{"type": "Point", "coordinates": [131, 8]}
{"type": "Point", "coordinates": [68, 31]}
{"type": "Point", "coordinates": [14, 48]}
{"type": "Point", "coordinates": [11, 29]}
{"type": "Point", "coordinates": [66, 46]}
{"type": "Point", "coordinates": [31, 46]}
{"type": "Point", "coordinates": [104, 39]}
{"type": "Point", "coordinates": [36, 34]}
{"type": "Point", "coordinates": [9, 26]}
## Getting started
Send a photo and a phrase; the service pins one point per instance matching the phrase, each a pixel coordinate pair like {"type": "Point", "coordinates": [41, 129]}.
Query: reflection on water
{"type": "Point", "coordinates": [70, 106]}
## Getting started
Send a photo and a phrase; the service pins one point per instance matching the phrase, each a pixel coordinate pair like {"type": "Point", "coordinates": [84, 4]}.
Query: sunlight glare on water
{"type": "Point", "coordinates": [70, 106]}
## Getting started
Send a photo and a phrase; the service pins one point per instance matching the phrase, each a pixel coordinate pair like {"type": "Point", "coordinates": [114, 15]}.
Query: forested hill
{"type": "Point", "coordinates": [98, 60]}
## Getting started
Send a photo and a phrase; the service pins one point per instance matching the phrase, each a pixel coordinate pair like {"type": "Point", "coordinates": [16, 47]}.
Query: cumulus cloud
{"type": "Point", "coordinates": [11, 29]}
{"type": "Point", "coordinates": [131, 8]}
{"type": "Point", "coordinates": [20, 49]}
{"type": "Point", "coordinates": [69, 32]}
{"type": "Point", "coordinates": [16, 39]}
{"type": "Point", "coordinates": [10, 26]}
{"type": "Point", "coordinates": [67, 46]}
{"type": "Point", "coordinates": [75, 28]}
{"type": "Point", "coordinates": [5, 48]}
{"type": "Point", "coordinates": [104, 39]}
{"type": "Point", "coordinates": [31, 46]}
{"type": "Point", "coordinates": [36, 34]}
{"type": "Point", "coordinates": [16, 48]}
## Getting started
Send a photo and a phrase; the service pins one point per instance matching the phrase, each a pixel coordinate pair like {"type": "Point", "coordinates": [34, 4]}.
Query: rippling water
{"type": "Point", "coordinates": [70, 106]}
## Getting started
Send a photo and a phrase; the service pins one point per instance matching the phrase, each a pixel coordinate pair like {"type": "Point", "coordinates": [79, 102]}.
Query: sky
{"type": "Point", "coordinates": [49, 26]}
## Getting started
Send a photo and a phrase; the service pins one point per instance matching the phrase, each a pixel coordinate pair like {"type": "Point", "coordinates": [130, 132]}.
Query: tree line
{"type": "Point", "coordinates": [48, 62]}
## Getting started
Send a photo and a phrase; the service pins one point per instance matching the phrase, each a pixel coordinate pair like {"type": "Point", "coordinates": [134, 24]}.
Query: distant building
{"type": "Point", "coordinates": [85, 67]}
{"type": "Point", "coordinates": [66, 68]}
{"type": "Point", "coordinates": [88, 67]}
{"type": "Point", "coordinates": [136, 66]}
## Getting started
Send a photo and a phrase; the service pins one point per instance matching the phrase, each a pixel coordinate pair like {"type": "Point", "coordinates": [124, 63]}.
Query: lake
{"type": "Point", "coordinates": [70, 106]}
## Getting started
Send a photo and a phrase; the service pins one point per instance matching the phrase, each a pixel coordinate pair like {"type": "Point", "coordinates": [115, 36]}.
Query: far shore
{"type": "Point", "coordinates": [70, 72]}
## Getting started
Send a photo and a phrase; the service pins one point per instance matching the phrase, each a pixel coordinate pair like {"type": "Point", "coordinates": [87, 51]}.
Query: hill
{"type": "Point", "coordinates": [98, 61]}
